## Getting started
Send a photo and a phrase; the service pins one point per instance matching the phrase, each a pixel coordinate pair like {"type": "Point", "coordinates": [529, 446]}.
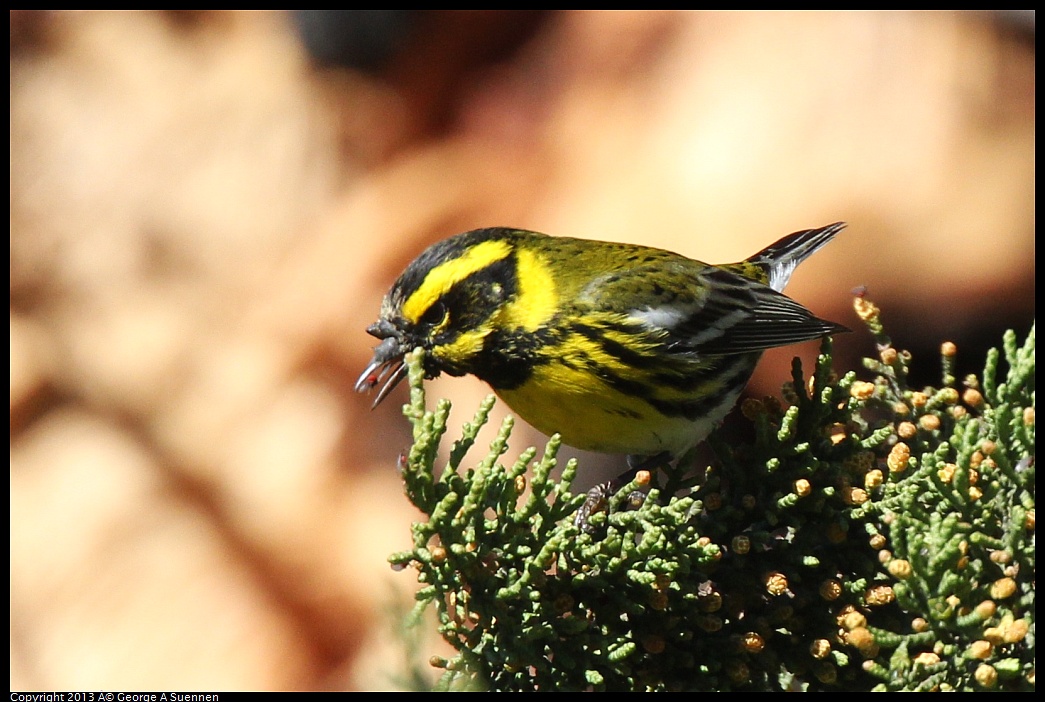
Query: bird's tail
{"type": "Point", "coordinates": [780, 259]}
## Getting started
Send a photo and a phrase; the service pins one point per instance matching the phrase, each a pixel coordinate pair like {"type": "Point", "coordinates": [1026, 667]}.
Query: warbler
{"type": "Point", "coordinates": [618, 348]}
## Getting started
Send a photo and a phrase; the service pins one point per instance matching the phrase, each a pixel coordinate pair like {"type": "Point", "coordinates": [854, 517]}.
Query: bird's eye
{"type": "Point", "coordinates": [435, 316]}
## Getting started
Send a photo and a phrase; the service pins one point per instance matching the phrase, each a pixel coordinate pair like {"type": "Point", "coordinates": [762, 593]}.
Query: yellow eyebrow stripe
{"type": "Point", "coordinates": [444, 276]}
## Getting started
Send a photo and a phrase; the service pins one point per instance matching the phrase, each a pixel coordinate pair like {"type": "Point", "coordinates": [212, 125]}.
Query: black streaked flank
{"type": "Point", "coordinates": [627, 356]}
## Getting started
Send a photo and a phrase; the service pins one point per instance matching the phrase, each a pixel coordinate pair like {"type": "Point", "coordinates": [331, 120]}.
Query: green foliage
{"type": "Point", "coordinates": [871, 537]}
{"type": "Point", "coordinates": [955, 522]}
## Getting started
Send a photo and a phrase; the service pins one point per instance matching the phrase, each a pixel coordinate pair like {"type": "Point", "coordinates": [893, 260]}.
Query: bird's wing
{"type": "Point", "coordinates": [705, 310]}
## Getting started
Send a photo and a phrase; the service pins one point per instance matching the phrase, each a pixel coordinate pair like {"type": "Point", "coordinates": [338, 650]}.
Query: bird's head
{"type": "Point", "coordinates": [447, 301]}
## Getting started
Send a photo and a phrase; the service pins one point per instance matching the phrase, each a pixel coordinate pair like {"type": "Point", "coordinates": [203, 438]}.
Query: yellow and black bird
{"type": "Point", "coordinates": [618, 348]}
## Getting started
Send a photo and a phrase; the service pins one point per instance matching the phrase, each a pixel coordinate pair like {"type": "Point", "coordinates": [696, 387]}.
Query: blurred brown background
{"type": "Point", "coordinates": [205, 214]}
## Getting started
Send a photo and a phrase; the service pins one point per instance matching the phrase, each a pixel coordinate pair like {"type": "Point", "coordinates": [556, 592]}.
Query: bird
{"type": "Point", "coordinates": [618, 348]}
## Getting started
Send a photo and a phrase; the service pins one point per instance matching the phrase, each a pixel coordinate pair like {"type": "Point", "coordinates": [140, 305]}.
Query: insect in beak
{"type": "Point", "coordinates": [386, 369]}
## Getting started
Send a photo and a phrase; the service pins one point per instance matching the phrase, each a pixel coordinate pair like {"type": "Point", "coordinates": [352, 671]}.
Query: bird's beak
{"type": "Point", "coordinates": [386, 369]}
